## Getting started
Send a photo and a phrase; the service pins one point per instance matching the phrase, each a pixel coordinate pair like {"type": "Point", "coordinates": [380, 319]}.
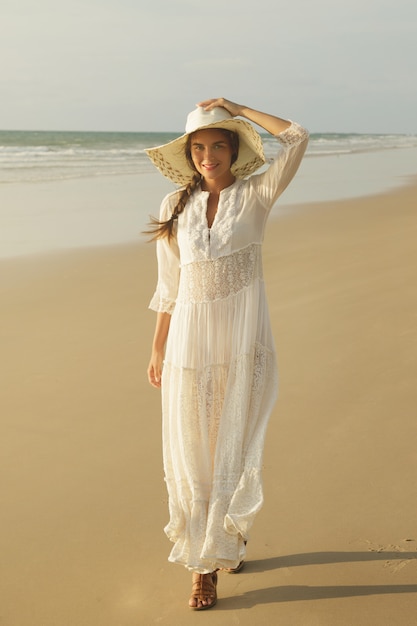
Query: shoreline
{"type": "Point", "coordinates": [82, 213]}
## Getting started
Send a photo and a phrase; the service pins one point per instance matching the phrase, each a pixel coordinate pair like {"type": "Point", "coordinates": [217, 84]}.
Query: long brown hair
{"type": "Point", "coordinates": [159, 229]}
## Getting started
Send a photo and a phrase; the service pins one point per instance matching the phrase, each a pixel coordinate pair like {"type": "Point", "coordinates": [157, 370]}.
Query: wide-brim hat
{"type": "Point", "coordinates": [171, 160]}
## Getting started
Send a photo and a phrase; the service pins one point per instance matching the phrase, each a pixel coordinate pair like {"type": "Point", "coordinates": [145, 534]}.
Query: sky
{"type": "Point", "coordinates": [142, 65]}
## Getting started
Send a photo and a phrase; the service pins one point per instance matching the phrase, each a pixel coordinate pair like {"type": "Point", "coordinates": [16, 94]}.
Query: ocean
{"type": "Point", "coordinates": [35, 156]}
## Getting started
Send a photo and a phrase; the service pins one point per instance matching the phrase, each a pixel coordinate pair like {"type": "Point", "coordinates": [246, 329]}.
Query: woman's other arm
{"type": "Point", "coordinates": [158, 348]}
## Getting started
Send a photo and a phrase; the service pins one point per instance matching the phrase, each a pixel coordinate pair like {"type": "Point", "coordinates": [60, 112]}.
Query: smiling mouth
{"type": "Point", "coordinates": [210, 166]}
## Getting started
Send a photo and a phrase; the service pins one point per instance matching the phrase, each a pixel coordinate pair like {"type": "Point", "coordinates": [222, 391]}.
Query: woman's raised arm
{"type": "Point", "coordinates": [270, 123]}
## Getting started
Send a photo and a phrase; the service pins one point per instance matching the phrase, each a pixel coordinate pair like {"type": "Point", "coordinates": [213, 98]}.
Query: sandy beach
{"type": "Point", "coordinates": [83, 501]}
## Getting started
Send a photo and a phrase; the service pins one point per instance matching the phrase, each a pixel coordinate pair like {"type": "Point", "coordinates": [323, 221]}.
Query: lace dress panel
{"type": "Point", "coordinates": [206, 281]}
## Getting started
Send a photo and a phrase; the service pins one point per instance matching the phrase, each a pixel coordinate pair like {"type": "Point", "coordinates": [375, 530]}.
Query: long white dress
{"type": "Point", "coordinates": [219, 381]}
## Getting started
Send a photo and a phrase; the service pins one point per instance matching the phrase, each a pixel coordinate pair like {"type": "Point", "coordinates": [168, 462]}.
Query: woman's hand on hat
{"type": "Point", "coordinates": [233, 108]}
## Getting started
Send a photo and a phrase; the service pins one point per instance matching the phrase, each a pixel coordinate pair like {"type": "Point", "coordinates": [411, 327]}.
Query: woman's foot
{"type": "Point", "coordinates": [234, 570]}
{"type": "Point", "coordinates": [203, 595]}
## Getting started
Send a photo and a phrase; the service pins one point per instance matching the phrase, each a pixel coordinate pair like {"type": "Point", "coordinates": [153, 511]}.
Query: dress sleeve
{"type": "Point", "coordinates": [164, 298]}
{"type": "Point", "coordinates": [270, 184]}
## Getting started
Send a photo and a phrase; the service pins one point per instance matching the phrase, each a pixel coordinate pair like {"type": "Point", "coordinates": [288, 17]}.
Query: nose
{"type": "Point", "coordinates": [208, 153]}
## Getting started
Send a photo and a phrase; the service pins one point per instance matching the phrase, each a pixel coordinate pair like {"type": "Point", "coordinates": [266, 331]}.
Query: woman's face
{"type": "Point", "coordinates": [211, 153]}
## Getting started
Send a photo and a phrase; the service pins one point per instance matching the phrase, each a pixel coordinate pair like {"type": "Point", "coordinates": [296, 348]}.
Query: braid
{"type": "Point", "coordinates": [159, 229]}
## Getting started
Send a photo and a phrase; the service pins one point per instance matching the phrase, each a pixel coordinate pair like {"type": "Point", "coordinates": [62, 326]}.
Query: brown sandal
{"type": "Point", "coordinates": [204, 590]}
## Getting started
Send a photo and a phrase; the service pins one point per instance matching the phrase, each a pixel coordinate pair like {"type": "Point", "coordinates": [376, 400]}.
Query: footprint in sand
{"type": "Point", "coordinates": [395, 565]}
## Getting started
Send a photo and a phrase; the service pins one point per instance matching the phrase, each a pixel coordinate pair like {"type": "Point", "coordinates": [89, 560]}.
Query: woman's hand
{"type": "Point", "coordinates": [163, 321]}
{"type": "Point", "coordinates": [155, 369]}
{"type": "Point", "coordinates": [233, 108]}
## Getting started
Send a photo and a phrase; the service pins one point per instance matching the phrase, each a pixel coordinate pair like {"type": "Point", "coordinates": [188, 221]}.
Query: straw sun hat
{"type": "Point", "coordinates": [171, 161]}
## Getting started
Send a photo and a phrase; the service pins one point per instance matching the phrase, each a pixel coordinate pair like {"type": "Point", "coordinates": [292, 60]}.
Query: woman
{"type": "Point", "coordinates": [213, 334]}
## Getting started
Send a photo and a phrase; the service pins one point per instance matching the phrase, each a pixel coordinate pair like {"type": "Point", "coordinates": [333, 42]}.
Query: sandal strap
{"type": "Point", "coordinates": [205, 586]}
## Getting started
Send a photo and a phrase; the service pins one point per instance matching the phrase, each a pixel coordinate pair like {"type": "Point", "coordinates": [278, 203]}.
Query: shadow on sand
{"type": "Point", "coordinates": [325, 558]}
{"type": "Point", "coordinates": [297, 593]}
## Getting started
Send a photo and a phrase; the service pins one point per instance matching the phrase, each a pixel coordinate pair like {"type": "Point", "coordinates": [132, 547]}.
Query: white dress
{"type": "Point", "coordinates": [219, 380]}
